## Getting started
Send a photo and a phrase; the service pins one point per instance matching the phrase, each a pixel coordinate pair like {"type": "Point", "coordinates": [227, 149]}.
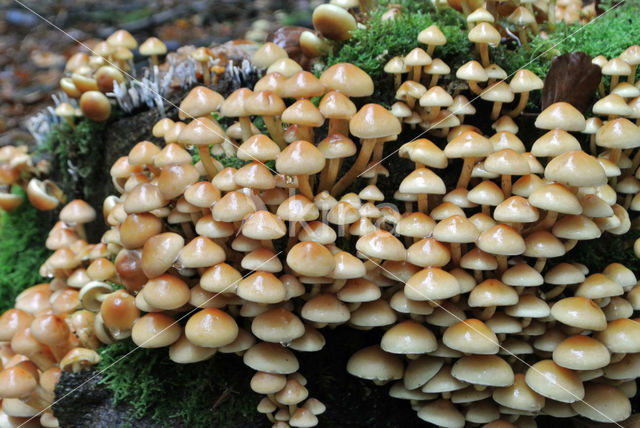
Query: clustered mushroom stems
{"type": "Point", "coordinates": [149, 259]}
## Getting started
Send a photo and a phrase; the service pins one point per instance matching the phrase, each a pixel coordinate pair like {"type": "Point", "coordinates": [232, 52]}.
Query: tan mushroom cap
{"type": "Point", "coordinates": [519, 396]}
{"type": "Point", "coordinates": [428, 252]}
{"type": "Point", "coordinates": [501, 239]}
{"type": "Point", "coordinates": [417, 57]}
{"type": "Point", "coordinates": [621, 336]}
{"type": "Point", "coordinates": [348, 79]}
{"type": "Point", "coordinates": [422, 180]}
{"type": "Point", "coordinates": [261, 287]}
{"type": "Point", "coordinates": [575, 168]}
{"type": "Point", "coordinates": [211, 328]}
{"type": "Point", "coordinates": [375, 364]}
{"type": "Point", "coordinates": [581, 353]}
{"type": "Point", "coordinates": [554, 143]}
{"type": "Point", "coordinates": [166, 292]}
{"type": "Point", "coordinates": [271, 358]}
{"type": "Point", "coordinates": [267, 54]}
{"type": "Point", "coordinates": [468, 144]}
{"type": "Point", "coordinates": [552, 381]}
{"type": "Point", "coordinates": [408, 337]}
{"type": "Point", "coordinates": [376, 313]}
{"type": "Point", "coordinates": [424, 151]}
{"type": "Point", "coordinates": [603, 403]}
{"type": "Point", "coordinates": [200, 101]}
{"type": "Point", "coordinates": [155, 330]}
{"type": "Point", "coordinates": [471, 336]}
{"type": "Point", "coordinates": [309, 258]}
{"type": "Point", "coordinates": [598, 286]}
{"type": "Point", "coordinates": [381, 245]}
{"type": "Point", "coordinates": [492, 292]}
{"type": "Point", "coordinates": [300, 158]}
{"type": "Point", "coordinates": [618, 133]}
{"type": "Point", "coordinates": [472, 71]}
{"type": "Point", "coordinates": [333, 22]}
{"type": "Point", "coordinates": [484, 32]}
{"type": "Point", "coordinates": [579, 312]}
{"type": "Point", "coordinates": [374, 121]}
{"type": "Point", "coordinates": [77, 212]}
{"type": "Point", "coordinates": [506, 162]}
{"type": "Point", "coordinates": [263, 225]}
{"type": "Point", "coordinates": [325, 308]}
{"type": "Point", "coordinates": [233, 206]}
{"type": "Point", "coordinates": [415, 225]}
{"type": "Point", "coordinates": [153, 46]}
{"type": "Point", "coordinates": [486, 370]}
{"type": "Point", "coordinates": [432, 36]}
{"type": "Point", "coordinates": [160, 252]}
{"type": "Point", "coordinates": [441, 413]}
{"type": "Point", "coordinates": [561, 115]}
{"type": "Point", "coordinates": [267, 383]}
{"type": "Point", "coordinates": [555, 197]}
{"type": "Point", "coordinates": [297, 208]}
{"type": "Point", "coordinates": [185, 352]}
{"type": "Point", "coordinates": [201, 131]}
{"type": "Point", "coordinates": [277, 325]}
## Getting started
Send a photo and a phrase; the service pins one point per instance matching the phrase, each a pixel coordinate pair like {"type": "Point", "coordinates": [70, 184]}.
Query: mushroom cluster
{"type": "Point", "coordinates": [483, 323]}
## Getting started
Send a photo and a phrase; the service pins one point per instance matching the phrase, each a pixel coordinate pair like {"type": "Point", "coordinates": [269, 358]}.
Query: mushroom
{"type": "Point", "coordinates": [153, 47]}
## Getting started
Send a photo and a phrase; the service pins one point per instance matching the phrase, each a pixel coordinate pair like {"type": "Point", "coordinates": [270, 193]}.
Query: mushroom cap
{"type": "Point", "coordinates": [304, 113]}
{"type": "Point", "coordinates": [408, 337]}
{"type": "Point", "coordinates": [267, 54]}
{"type": "Point", "coordinates": [525, 81]}
{"type": "Point", "coordinates": [309, 258]}
{"type": "Point", "coordinates": [155, 330]}
{"type": "Point", "coordinates": [603, 403]}
{"type": "Point", "coordinates": [498, 92]}
{"type": "Point", "coordinates": [492, 292]}
{"type": "Point", "coordinates": [554, 143]}
{"type": "Point", "coordinates": [152, 46]}
{"type": "Point", "coordinates": [277, 325]}
{"type": "Point", "coordinates": [381, 245]}
{"type": "Point", "coordinates": [561, 115]}
{"type": "Point", "coordinates": [432, 36]}
{"type": "Point", "coordinates": [348, 79]}
{"type": "Point", "coordinates": [506, 162]}
{"type": "Point", "coordinates": [325, 308]}
{"type": "Point", "coordinates": [618, 133]}
{"type": "Point", "coordinates": [333, 22]}
{"type": "Point", "coordinates": [519, 396]}
{"type": "Point", "coordinates": [374, 121]}
{"type": "Point", "coordinates": [417, 57]}
{"type": "Point", "coordinates": [472, 71]}
{"type": "Point", "coordinates": [77, 212]}
{"type": "Point", "coordinates": [579, 312]}
{"type": "Point", "coordinates": [261, 287]}
{"type": "Point", "coordinates": [581, 353]}
{"type": "Point", "coordinates": [471, 336]}
{"type": "Point", "coordinates": [200, 101]}
{"type": "Point", "coordinates": [375, 364]}
{"type": "Point", "coordinates": [422, 180]}
{"type": "Point", "coordinates": [484, 32]}
{"type": "Point", "coordinates": [555, 197]}
{"type": "Point", "coordinates": [575, 168]}
{"type": "Point", "coordinates": [501, 239]}
{"type": "Point", "coordinates": [271, 358]}
{"type": "Point", "coordinates": [468, 144]}
{"type": "Point", "coordinates": [621, 336]}
{"type": "Point", "coordinates": [211, 328]}
{"type": "Point", "coordinates": [201, 131]}
{"type": "Point", "coordinates": [457, 229]}
{"type": "Point", "coordinates": [441, 413]}
{"type": "Point", "coordinates": [487, 370]}
{"type": "Point", "coordinates": [552, 381]}
{"type": "Point", "coordinates": [166, 292]}
{"type": "Point", "coordinates": [300, 158]}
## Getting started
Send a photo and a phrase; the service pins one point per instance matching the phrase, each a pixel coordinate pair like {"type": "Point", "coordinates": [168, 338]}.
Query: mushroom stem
{"type": "Point", "coordinates": [82, 234]}
{"type": "Point", "coordinates": [465, 174]}
{"type": "Point", "coordinates": [377, 153]}
{"type": "Point", "coordinates": [275, 131]}
{"type": "Point", "coordinates": [397, 80]}
{"type": "Point", "coordinates": [495, 111]}
{"type": "Point", "coordinates": [484, 54]}
{"type": "Point", "coordinates": [154, 60]}
{"type": "Point", "coordinates": [304, 186]}
{"type": "Point", "coordinates": [540, 263]}
{"type": "Point", "coordinates": [614, 157]}
{"type": "Point", "coordinates": [69, 121]}
{"type": "Point", "coordinates": [206, 74]}
{"type": "Point", "coordinates": [522, 103]}
{"type": "Point", "coordinates": [338, 126]}
{"type": "Point", "coordinates": [456, 252]}
{"type": "Point", "coordinates": [433, 113]}
{"type": "Point", "coordinates": [474, 87]}
{"type": "Point", "coordinates": [551, 12]}
{"type": "Point", "coordinates": [329, 174]}
{"type": "Point", "coordinates": [245, 125]}
{"type": "Point", "coordinates": [434, 80]}
{"type": "Point", "coordinates": [487, 313]}
{"type": "Point", "coordinates": [207, 161]}
{"type": "Point", "coordinates": [631, 78]}
{"type": "Point", "coordinates": [368, 144]}
{"type": "Point", "coordinates": [417, 73]}
{"type": "Point", "coordinates": [546, 222]}
{"type": "Point", "coordinates": [431, 48]}
{"type": "Point", "coordinates": [634, 163]}
{"type": "Point", "coordinates": [555, 292]}
{"type": "Point", "coordinates": [522, 34]}
{"type": "Point", "coordinates": [592, 145]}
{"type": "Point", "coordinates": [506, 185]}
{"type": "Point", "coordinates": [570, 244]}
{"type": "Point", "coordinates": [614, 82]}
{"type": "Point", "coordinates": [534, 24]}
{"type": "Point", "coordinates": [502, 262]}
{"type": "Point", "coordinates": [423, 203]}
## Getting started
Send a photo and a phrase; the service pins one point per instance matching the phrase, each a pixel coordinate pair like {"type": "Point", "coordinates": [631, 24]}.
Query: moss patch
{"type": "Point", "coordinates": [210, 393]}
{"type": "Point", "coordinates": [22, 236]}
{"type": "Point", "coordinates": [370, 48]}
{"type": "Point", "coordinates": [608, 35]}
{"type": "Point", "coordinates": [77, 157]}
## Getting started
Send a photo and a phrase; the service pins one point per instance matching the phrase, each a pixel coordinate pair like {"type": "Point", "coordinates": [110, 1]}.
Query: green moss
{"type": "Point", "coordinates": [77, 156]}
{"type": "Point", "coordinates": [210, 393]}
{"type": "Point", "coordinates": [370, 48]}
{"type": "Point", "coordinates": [608, 35]}
{"type": "Point", "coordinates": [22, 251]}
